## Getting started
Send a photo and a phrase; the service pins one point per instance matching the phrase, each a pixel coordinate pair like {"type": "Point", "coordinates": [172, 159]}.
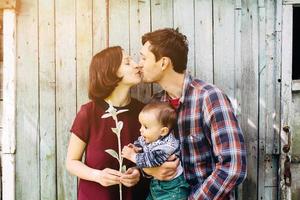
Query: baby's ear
{"type": "Point", "coordinates": [164, 131]}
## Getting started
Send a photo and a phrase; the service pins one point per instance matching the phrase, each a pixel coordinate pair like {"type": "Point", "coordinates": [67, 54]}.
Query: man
{"type": "Point", "coordinates": [212, 144]}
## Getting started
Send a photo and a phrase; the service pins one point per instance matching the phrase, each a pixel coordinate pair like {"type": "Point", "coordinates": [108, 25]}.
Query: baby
{"type": "Point", "coordinates": [155, 145]}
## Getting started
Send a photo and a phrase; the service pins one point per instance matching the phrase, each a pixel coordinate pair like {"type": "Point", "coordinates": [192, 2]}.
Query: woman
{"type": "Point", "coordinates": [112, 73]}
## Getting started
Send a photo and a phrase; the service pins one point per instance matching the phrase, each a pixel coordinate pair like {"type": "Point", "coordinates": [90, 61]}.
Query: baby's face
{"type": "Point", "coordinates": [151, 128]}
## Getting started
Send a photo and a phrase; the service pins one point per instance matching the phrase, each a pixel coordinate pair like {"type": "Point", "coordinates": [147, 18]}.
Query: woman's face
{"type": "Point", "coordinates": [129, 71]}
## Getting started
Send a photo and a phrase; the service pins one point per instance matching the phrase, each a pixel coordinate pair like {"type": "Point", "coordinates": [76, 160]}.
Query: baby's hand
{"type": "Point", "coordinates": [135, 148]}
{"type": "Point", "coordinates": [129, 153]}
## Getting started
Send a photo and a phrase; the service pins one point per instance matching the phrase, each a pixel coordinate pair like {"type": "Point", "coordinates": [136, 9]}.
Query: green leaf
{"type": "Point", "coordinates": [123, 169]}
{"type": "Point", "coordinates": [113, 153]}
{"type": "Point", "coordinates": [116, 131]}
{"type": "Point", "coordinates": [120, 125]}
{"type": "Point", "coordinates": [121, 111]}
{"type": "Point", "coordinates": [106, 115]}
{"type": "Point", "coordinates": [110, 112]}
{"type": "Point", "coordinates": [111, 108]}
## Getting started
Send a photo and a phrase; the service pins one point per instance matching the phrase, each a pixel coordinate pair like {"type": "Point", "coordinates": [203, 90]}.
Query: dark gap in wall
{"type": "Point", "coordinates": [296, 43]}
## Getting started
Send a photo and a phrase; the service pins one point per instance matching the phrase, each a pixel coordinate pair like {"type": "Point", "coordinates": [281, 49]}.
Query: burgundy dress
{"type": "Point", "coordinates": [96, 133]}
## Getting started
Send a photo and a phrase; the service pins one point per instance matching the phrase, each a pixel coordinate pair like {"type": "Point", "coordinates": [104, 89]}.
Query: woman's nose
{"type": "Point", "coordinates": [134, 64]}
{"type": "Point", "coordinates": [141, 63]}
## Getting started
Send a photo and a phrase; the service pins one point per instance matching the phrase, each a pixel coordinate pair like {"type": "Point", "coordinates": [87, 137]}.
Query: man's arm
{"type": "Point", "coordinates": [153, 158]}
{"type": "Point", "coordinates": [228, 147]}
{"type": "Point", "coordinates": [166, 171]}
{"type": "Point", "coordinates": [150, 160]}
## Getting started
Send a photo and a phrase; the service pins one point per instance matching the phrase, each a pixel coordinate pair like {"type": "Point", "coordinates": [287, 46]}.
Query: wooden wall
{"type": "Point", "coordinates": [295, 166]}
{"type": "Point", "coordinates": [1, 94]}
{"type": "Point", "coordinates": [233, 44]}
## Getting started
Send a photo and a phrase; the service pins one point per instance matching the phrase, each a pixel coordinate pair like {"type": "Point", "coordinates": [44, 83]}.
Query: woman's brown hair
{"type": "Point", "coordinates": [103, 73]}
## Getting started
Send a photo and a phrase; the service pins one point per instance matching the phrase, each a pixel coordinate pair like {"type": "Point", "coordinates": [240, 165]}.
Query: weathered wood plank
{"type": "Point", "coordinates": [238, 70]}
{"type": "Point", "coordinates": [276, 139]}
{"type": "Point", "coordinates": [295, 168]}
{"type": "Point", "coordinates": [295, 124]}
{"type": "Point", "coordinates": [271, 168]}
{"type": "Point", "coordinates": [100, 25]}
{"type": "Point", "coordinates": [9, 81]}
{"type": "Point", "coordinates": [1, 93]}
{"type": "Point", "coordinates": [65, 12]}
{"type": "Point", "coordinates": [1, 118]}
{"type": "Point", "coordinates": [8, 4]}
{"type": "Point", "coordinates": [161, 17]}
{"type": "Point", "coordinates": [291, 2]}
{"type": "Point", "coordinates": [224, 46]}
{"type": "Point", "coordinates": [271, 181]}
{"type": "Point", "coordinates": [246, 87]}
{"type": "Point", "coordinates": [269, 107]}
{"type": "Point", "coordinates": [238, 55]}
{"type": "Point", "coordinates": [84, 47]}
{"type": "Point", "coordinates": [268, 78]}
{"type": "Point", "coordinates": [204, 40]}
{"type": "Point", "coordinates": [270, 93]}
{"type": "Point", "coordinates": [286, 95]}
{"type": "Point", "coordinates": [262, 101]}
{"type": "Point", "coordinates": [47, 99]}
{"type": "Point", "coordinates": [8, 136]}
{"type": "Point", "coordinates": [119, 24]}
{"type": "Point", "coordinates": [8, 178]}
{"type": "Point", "coordinates": [1, 174]}
{"type": "Point", "coordinates": [139, 24]}
{"type": "Point", "coordinates": [161, 14]}
{"type": "Point", "coordinates": [1, 39]}
{"type": "Point", "coordinates": [278, 63]}
{"type": "Point", "coordinates": [296, 85]}
{"type": "Point", "coordinates": [270, 193]}
{"type": "Point", "coordinates": [184, 19]}
{"type": "Point", "coordinates": [269, 98]}
{"type": "Point", "coordinates": [27, 90]}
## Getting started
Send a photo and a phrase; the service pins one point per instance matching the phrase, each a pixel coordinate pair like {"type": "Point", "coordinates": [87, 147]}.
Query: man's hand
{"type": "Point", "coordinates": [166, 171]}
{"type": "Point", "coordinates": [129, 153]}
{"type": "Point", "coordinates": [130, 177]}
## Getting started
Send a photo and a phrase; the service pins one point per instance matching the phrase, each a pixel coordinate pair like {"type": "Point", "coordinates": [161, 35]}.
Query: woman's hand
{"type": "Point", "coordinates": [130, 177]}
{"type": "Point", "coordinates": [166, 171]}
{"type": "Point", "coordinates": [107, 177]}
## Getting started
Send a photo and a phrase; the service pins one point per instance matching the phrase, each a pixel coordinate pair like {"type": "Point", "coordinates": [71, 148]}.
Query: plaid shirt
{"type": "Point", "coordinates": [211, 140]}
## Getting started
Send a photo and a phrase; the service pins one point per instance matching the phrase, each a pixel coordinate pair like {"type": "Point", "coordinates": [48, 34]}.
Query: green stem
{"type": "Point", "coordinates": [120, 157]}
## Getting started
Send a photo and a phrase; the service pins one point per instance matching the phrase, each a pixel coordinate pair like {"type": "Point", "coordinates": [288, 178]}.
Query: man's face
{"type": "Point", "coordinates": [150, 69]}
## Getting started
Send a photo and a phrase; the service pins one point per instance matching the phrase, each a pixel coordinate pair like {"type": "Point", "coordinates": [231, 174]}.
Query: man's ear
{"type": "Point", "coordinates": [165, 62]}
{"type": "Point", "coordinates": [164, 131]}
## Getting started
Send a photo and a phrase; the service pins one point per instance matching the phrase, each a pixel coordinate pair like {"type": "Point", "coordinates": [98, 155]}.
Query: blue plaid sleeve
{"type": "Point", "coordinates": [151, 159]}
